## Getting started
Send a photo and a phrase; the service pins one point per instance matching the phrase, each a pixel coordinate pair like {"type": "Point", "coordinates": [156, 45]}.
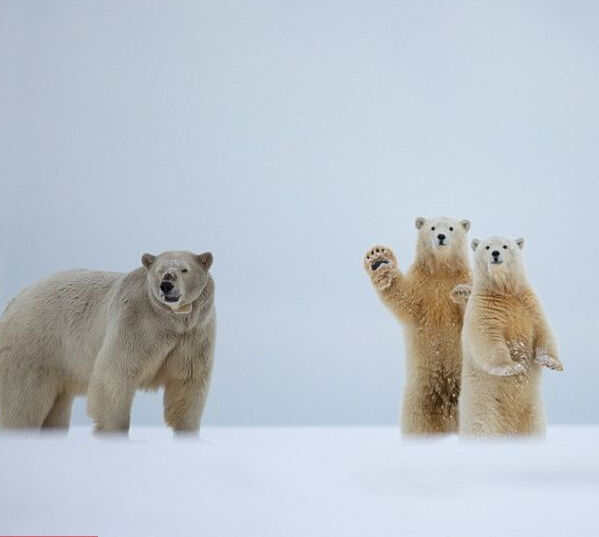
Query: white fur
{"type": "Point", "coordinates": [107, 335]}
{"type": "Point", "coordinates": [421, 299]}
{"type": "Point", "coordinates": [505, 341]}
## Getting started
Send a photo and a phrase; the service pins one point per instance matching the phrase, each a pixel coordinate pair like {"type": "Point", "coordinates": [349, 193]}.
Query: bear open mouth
{"type": "Point", "coordinates": [171, 299]}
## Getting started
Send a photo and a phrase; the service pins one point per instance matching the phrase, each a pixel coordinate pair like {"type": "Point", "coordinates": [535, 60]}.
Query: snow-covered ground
{"type": "Point", "coordinates": [307, 482]}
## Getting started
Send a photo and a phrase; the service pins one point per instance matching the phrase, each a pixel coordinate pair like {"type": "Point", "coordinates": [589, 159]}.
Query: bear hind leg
{"type": "Point", "coordinates": [25, 400]}
{"type": "Point", "coordinates": [427, 413]}
{"type": "Point", "coordinates": [423, 423]}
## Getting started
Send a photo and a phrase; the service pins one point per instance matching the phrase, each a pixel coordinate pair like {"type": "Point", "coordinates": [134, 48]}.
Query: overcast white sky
{"type": "Point", "coordinates": [287, 137]}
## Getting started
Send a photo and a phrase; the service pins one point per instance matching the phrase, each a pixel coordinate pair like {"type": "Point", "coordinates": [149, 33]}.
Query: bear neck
{"type": "Point", "coordinates": [455, 265]}
{"type": "Point", "coordinates": [500, 284]}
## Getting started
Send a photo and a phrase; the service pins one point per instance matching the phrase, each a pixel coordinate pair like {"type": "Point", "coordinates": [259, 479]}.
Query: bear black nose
{"type": "Point", "coordinates": [166, 287]}
{"type": "Point", "coordinates": [495, 253]}
{"type": "Point", "coordinates": [441, 237]}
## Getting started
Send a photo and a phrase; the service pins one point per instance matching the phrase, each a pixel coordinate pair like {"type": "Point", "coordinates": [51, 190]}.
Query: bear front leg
{"type": "Point", "coordinates": [546, 352]}
{"type": "Point", "coordinates": [544, 358]}
{"type": "Point", "coordinates": [186, 388]}
{"type": "Point", "coordinates": [461, 293]}
{"type": "Point", "coordinates": [112, 385]}
{"type": "Point", "coordinates": [184, 401]}
{"type": "Point", "coordinates": [109, 401]}
{"type": "Point", "coordinates": [492, 355]}
{"type": "Point", "coordinates": [380, 264]}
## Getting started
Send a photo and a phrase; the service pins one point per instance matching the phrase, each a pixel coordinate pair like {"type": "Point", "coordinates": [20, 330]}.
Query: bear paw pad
{"type": "Point", "coordinates": [377, 257]}
{"type": "Point", "coordinates": [380, 264]}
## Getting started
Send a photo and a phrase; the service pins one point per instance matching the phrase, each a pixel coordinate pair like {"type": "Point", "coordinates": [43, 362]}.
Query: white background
{"type": "Point", "coordinates": [287, 137]}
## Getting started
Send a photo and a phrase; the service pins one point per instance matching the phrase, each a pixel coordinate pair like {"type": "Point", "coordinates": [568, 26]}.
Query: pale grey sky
{"type": "Point", "coordinates": [287, 137]}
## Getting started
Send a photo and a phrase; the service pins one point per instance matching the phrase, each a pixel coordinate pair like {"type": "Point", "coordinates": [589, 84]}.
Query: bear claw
{"type": "Point", "coordinates": [549, 361]}
{"type": "Point", "coordinates": [461, 293]}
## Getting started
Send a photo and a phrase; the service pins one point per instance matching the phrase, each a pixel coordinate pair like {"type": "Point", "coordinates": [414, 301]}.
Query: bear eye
{"type": "Point", "coordinates": [184, 270]}
{"type": "Point", "coordinates": [488, 247]}
{"type": "Point", "coordinates": [504, 247]}
{"type": "Point", "coordinates": [433, 228]}
{"type": "Point", "coordinates": [451, 229]}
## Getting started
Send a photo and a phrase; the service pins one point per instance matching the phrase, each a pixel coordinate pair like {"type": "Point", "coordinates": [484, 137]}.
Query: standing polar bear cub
{"type": "Point", "coordinates": [506, 340]}
{"type": "Point", "coordinates": [432, 320]}
{"type": "Point", "coordinates": [107, 334]}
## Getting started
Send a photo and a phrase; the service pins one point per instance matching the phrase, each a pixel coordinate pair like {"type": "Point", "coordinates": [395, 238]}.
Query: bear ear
{"type": "Point", "coordinates": [205, 260]}
{"type": "Point", "coordinates": [474, 244]}
{"type": "Point", "coordinates": [465, 224]}
{"type": "Point", "coordinates": [419, 222]}
{"type": "Point", "coordinates": [520, 243]}
{"type": "Point", "coordinates": [147, 260]}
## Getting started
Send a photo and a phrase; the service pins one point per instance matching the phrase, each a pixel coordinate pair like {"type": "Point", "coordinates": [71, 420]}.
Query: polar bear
{"type": "Point", "coordinates": [106, 335]}
{"type": "Point", "coordinates": [505, 340]}
{"type": "Point", "coordinates": [421, 300]}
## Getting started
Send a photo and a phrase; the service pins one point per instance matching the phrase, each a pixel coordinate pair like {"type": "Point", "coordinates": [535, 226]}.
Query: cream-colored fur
{"type": "Point", "coordinates": [107, 335]}
{"type": "Point", "coordinates": [506, 340]}
{"type": "Point", "coordinates": [432, 322]}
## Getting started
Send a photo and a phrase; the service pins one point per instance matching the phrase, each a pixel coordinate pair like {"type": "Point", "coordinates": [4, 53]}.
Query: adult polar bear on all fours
{"type": "Point", "coordinates": [506, 339]}
{"type": "Point", "coordinates": [108, 334]}
{"type": "Point", "coordinates": [432, 322]}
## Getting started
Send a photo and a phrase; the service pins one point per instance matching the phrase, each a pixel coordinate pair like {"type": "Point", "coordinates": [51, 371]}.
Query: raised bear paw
{"type": "Point", "coordinates": [381, 266]}
{"type": "Point", "coordinates": [507, 370]}
{"type": "Point", "coordinates": [461, 293]}
{"type": "Point", "coordinates": [543, 358]}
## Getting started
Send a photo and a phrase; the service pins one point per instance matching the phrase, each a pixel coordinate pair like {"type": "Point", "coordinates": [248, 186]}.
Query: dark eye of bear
{"type": "Point", "coordinates": [184, 270]}
{"type": "Point", "coordinates": [504, 247]}
{"type": "Point", "coordinates": [451, 229]}
{"type": "Point", "coordinates": [488, 247]}
{"type": "Point", "coordinates": [433, 228]}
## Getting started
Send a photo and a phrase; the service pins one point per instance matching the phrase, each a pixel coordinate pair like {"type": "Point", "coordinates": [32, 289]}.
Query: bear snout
{"type": "Point", "coordinates": [442, 239]}
{"type": "Point", "coordinates": [495, 257]}
{"type": "Point", "coordinates": [166, 286]}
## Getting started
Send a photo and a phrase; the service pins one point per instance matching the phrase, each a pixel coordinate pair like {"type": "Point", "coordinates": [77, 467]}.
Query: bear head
{"type": "Point", "coordinates": [177, 279]}
{"type": "Point", "coordinates": [498, 262]}
{"type": "Point", "coordinates": [443, 240]}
